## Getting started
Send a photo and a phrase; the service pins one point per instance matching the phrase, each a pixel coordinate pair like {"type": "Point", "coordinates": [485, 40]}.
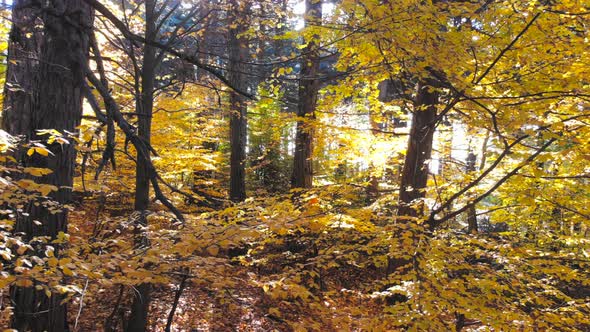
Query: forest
{"type": "Point", "coordinates": [295, 165]}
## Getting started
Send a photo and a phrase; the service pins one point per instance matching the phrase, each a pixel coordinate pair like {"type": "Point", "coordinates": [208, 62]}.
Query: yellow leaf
{"type": "Point", "coordinates": [67, 271]}
{"type": "Point", "coordinates": [42, 151]}
{"type": "Point", "coordinates": [45, 189]}
{"type": "Point", "coordinates": [64, 261]}
{"type": "Point", "coordinates": [5, 281]}
{"type": "Point", "coordinates": [52, 261]}
{"type": "Point", "coordinates": [213, 250]}
{"type": "Point", "coordinates": [37, 171]}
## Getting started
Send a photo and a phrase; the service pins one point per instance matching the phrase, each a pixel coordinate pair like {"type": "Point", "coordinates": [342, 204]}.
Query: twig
{"type": "Point", "coordinates": [177, 296]}
{"type": "Point", "coordinates": [81, 305]}
{"type": "Point", "coordinates": [433, 223]}
{"type": "Point", "coordinates": [507, 48]}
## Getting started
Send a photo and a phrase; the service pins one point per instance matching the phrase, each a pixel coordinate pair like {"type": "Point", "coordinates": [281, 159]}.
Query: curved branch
{"type": "Point", "coordinates": [433, 223]}
{"type": "Point", "coordinates": [186, 57]}
{"type": "Point", "coordinates": [140, 146]}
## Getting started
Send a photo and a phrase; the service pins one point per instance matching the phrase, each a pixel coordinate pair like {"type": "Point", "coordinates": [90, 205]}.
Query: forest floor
{"type": "Point", "coordinates": [203, 305]}
{"type": "Point", "coordinates": [200, 308]}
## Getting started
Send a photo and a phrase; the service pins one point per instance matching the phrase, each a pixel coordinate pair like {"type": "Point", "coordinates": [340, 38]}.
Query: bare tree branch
{"type": "Point", "coordinates": [433, 222]}
{"type": "Point", "coordinates": [140, 145]}
{"type": "Point", "coordinates": [186, 57]}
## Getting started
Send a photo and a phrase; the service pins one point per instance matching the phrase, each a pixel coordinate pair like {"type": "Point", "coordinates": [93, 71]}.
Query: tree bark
{"type": "Point", "coordinates": [44, 91]}
{"type": "Point", "coordinates": [415, 170]}
{"type": "Point", "coordinates": [373, 183]}
{"type": "Point", "coordinates": [238, 53]}
{"type": "Point", "coordinates": [471, 212]}
{"type": "Point", "coordinates": [138, 319]}
{"type": "Point", "coordinates": [144, 107]}
{"type": "Point", "coordinates": [21, 75]}
{"type": "Point", "coordinates": [302, 176]}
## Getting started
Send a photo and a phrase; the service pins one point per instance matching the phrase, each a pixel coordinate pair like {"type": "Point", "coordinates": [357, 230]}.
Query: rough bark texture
{"type": "Point", "coordinates": [44, 91]}
{"type": "Point", "coordinates": [22, 66]}
{"type": "Point", "coordinates": [302, 176]}
{"type": "Point", "coordinates": [415, 171]}
{"type": "Point", "coordinates": [144, 107]}
{"type": "Point", "coordinates": [138, 319]}
{"type": "Point", "coordinates": [238, 53]}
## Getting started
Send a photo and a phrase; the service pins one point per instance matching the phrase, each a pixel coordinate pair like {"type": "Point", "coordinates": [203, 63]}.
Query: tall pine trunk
{"type": "Point", "coordinates": [44, 91]}
{"type": "Point", "coordinates": [238, 54]}
{"type": "Point", "coordinates": [138, 319]}
{"type": "Point", "coordinates": [302, 176]}
{"type": "Point", "coordinates": [22, 66]}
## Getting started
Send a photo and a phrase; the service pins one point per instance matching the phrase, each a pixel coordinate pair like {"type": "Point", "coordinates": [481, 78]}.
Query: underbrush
{"type": "Point", "coordinates": [316, 260]}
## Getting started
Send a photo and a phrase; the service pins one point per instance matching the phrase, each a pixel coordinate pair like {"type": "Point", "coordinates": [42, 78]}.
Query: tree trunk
{"type": "Point", "coordinates": [144, 107]}
{"type": "Point", "coordinates": [471, 212]}
{"type": "Point", "coordinates": [302, 176]}
{"type": "Point", "coordinates": [22, 66]}
{"type": "Point", "coordinates": [373, 183]}
{"type": "Point", "coordinates": [415, 170]}
{"type": "Point", "coordinates": [49, 96]}
{"type": "Point", "coordinates": [238, 53]}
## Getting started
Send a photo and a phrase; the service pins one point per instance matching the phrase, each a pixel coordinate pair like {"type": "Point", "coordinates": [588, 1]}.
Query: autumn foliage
{"type": "Point", "coordinates": [273, 165]}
